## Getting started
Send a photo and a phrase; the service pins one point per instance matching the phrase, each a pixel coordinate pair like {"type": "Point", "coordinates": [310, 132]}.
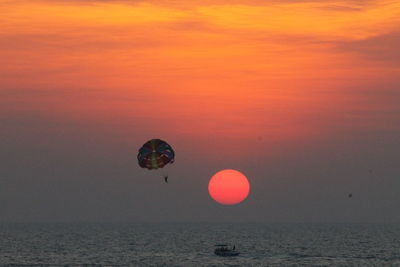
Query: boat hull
{"type": "Point", "coordinates": [227, 253]}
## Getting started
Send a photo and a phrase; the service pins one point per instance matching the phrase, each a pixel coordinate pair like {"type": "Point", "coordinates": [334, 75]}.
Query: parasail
{"type": "Point", "coordinates": [155, 154]}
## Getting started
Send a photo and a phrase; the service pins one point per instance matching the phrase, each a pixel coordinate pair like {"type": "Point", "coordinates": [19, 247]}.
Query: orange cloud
{"type": "Point", "coordinates": [236, 71]}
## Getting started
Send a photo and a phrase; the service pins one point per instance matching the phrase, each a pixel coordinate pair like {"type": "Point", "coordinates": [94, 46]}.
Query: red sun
{"type": "Point", "coordinates": [229, 187]}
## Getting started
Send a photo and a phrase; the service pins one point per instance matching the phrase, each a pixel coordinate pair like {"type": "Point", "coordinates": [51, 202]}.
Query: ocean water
{"type": "Point", "coordinates": [193, 244]}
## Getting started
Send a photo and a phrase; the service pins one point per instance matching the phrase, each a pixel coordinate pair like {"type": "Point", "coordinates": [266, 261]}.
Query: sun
{"type": "Point", "coordinates": [229, 187]}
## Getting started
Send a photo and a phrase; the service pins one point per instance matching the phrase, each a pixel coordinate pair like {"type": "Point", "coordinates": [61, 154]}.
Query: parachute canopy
{"type": "Point", "coordinates": [155, 154]}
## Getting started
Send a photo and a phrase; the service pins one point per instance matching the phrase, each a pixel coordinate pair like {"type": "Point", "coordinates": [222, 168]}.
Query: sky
{"type": "Point", "coordinates": [301, 96]}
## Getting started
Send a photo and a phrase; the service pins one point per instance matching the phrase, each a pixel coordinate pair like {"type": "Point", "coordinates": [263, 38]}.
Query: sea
{"type": "Point", "coordinates": [192, 244]}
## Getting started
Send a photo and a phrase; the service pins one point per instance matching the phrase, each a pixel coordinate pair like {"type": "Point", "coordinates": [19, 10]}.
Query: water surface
{"type": "Point", "coordinates": [193, 244]}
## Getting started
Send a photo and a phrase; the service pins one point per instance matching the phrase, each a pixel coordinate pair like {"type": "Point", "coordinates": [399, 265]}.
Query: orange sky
{"type": "Point", "coordinates": [209, 72]}
{"type": "Point", "coordinates": [302, 96]}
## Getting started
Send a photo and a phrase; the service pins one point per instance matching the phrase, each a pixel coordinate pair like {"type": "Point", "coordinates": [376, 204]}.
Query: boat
{"type": "Point", "coordinates": [225, 251]}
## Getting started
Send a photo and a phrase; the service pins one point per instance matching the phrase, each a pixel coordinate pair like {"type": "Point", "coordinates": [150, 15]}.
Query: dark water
{"type": "Point", "coordinates": [193, 244]}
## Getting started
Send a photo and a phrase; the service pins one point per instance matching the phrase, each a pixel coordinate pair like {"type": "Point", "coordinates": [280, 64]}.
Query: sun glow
{"type": "Point", "coordinates": [229, 187]}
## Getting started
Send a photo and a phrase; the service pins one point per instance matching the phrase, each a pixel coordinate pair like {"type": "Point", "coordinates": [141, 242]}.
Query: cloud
{"type": "Point", "coordinates": [340, 8]}
{"type": "Point", "coordinates": [384, 48]}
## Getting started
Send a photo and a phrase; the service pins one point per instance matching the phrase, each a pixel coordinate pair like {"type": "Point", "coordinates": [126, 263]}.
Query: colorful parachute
{"type": "Point", "coordinates": [155, 154]}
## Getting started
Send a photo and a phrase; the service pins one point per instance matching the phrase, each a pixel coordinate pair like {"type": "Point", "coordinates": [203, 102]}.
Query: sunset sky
{"type": "Point", "coordinates": [301, 96]}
